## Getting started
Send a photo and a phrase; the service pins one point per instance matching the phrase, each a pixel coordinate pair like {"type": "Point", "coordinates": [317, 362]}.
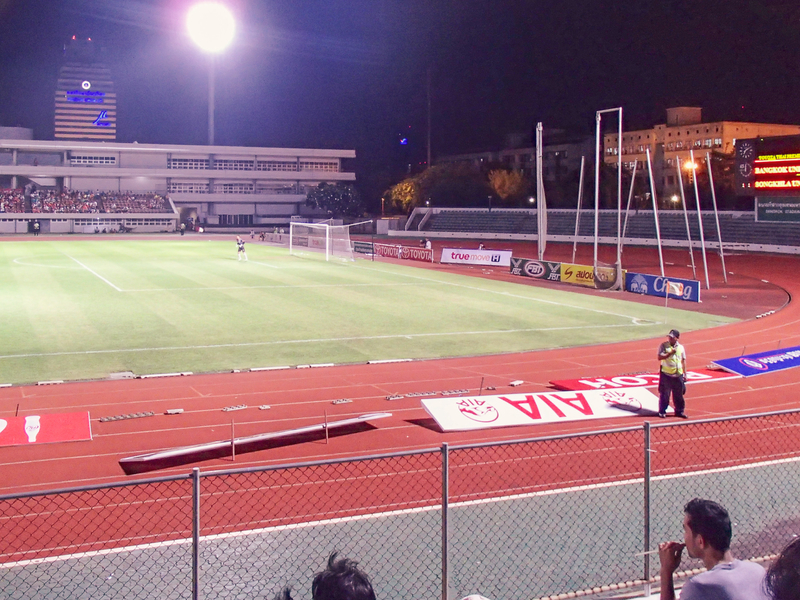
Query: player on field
{"type": "Point", "coordinates": [240, 248]}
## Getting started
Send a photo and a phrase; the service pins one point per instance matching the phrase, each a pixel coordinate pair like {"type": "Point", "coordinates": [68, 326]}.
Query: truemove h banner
{"type": "Point", "coordinates": [778, 209]}
{"type": "Point", "coordinates": [763, 362]}
{"type": "Point", "coordinates": [655, 285]}
{"type": "Point", "coordinates": [467, 256]}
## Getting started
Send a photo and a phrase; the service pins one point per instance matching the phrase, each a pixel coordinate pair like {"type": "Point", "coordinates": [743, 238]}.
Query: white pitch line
{"type": "Point", "coordinates": [391, 513]}
{"type": "Point", "coordinates": [269, 287]}
{"type": "Point", "coordinates": [92, 272]}
{"type": "Point", "coordinates": [510, 295]}
{"type": "Point", "coordinates": [315, 341]}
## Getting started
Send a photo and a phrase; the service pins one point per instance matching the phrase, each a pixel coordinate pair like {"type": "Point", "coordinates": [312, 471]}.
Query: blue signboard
{"type": "Point", "coordinates": [763, 362]}
{"type": "Point", "coordinates": [655, 285]}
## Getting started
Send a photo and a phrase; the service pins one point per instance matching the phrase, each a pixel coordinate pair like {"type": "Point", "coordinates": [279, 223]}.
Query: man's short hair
{"type": "Point", "coordinates": [711, 520]}
{"type": "Point", "coordinates": [341, 580]}
{"type": "Point", "coordinates": [783, 577]}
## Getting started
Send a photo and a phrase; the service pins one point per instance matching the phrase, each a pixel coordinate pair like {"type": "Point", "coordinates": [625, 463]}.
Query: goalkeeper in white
{"type": "Point", "coordinates": [240, 248]}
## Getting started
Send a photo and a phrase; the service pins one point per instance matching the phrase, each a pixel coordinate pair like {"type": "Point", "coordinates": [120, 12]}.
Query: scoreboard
{"type": "Point", "coordinates": [769, 169]}
{"type": "Point", "coordinates": [768, 166]}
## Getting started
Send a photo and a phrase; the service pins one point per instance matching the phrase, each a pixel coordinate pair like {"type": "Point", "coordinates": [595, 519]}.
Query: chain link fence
{"type": "Point", "coordinates": [519, 520]}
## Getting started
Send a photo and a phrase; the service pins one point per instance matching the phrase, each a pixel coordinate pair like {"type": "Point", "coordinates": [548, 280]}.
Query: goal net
{"type": "Point", "coordinates": [321, 239]}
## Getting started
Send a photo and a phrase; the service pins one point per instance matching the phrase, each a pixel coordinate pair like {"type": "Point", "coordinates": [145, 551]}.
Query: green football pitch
{"type": "Point", "coordinates": [84, 309]}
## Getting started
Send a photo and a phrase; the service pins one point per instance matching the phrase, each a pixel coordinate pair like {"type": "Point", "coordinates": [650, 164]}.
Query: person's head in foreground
{"type": "Point", "coordinates": [341, 580]}
{"type": "Point", "coordinates": [783, 577]}
{"type": "Point", "coordinates": [706, 528]}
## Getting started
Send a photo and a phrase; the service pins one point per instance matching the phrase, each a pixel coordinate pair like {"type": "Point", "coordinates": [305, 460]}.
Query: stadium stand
{"type": "Point", "coordinates": [71, 201]}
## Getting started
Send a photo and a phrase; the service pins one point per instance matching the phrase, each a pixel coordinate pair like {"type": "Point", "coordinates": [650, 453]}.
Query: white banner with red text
{"type": "Point", "coordinates": [488, 412]}
{"type": "Point", "coordinates": [467, 256]}
{"type": "Point", "coordinates": [638, 380]}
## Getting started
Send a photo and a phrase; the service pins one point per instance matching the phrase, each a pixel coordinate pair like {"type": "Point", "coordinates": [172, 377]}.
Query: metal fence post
{"type": "Point", "coordinates": [195, 533]}
{"type": "Point", "coordinates": [445, 515]}
{"type": "Point", "coordinates": [647, 508]}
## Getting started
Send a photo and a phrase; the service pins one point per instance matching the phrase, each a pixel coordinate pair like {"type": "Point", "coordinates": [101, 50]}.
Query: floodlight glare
{"type": "Point", "coordinates": [211, 26]}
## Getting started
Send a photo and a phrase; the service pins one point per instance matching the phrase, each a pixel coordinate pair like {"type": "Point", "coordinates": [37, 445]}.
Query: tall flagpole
{"type": "Point", "coordinates": [655, 210]}
{"type": "Point", "coordinates": [716, 216]}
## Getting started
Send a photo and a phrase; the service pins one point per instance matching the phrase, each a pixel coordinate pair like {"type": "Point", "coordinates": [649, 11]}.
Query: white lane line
{"type": "Point", "coordinates": [22, 263]}
{"type": "Point", "coordinates": [269, 287]}
{"type": "Point", "coordinates": [317, 341]}
{"type": "Point", "coordinates": [508, 294]}
{"type": "Point", "coordinates": [92, 272]}
{"type": "Point", "coordinates": [382, 514]}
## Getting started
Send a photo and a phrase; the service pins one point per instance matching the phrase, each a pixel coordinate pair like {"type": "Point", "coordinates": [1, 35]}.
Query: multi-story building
{"type": "Point", "coordinates": [86, 104]}
{"type": "Point", "coordinates": [684, 133]}
{"type": "Point", "coordinates": [215, 185]}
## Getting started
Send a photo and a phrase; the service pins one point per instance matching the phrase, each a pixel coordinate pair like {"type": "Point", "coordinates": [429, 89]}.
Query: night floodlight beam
{"type": "Point", "coordinates": [211, 27]}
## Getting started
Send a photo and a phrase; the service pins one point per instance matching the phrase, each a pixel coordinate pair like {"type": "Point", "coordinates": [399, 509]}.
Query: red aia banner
{"type": "Point", "coordinates": [641, 380]}
{"type": "Point", "coordinates": [45, 429]}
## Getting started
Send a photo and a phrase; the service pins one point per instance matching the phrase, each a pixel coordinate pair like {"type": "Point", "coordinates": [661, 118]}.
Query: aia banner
{"type": "Point", "coordinates": [639, 380]}
{"type": "Point", "coordinates": [487, 412]}
{"type": "Point", "coordinates": [45, 429]}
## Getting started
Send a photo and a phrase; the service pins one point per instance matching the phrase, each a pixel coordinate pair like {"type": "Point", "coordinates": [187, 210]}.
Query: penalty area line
{"type": "Point", "coordinates": [92, 272]}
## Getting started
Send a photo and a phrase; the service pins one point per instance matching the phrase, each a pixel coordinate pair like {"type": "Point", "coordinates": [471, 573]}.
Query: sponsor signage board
{"type": "Point", "coordinates": [655, 285]}
{"type": "Point", "coordinates": [763, 362]}
{"type": "Point", "coordinates": [539, 269]}
{"type": "Point", "coordinates": [45, 429]}
{"type": "Point", "coordinates": [577, 274]}
{"type": "Point", "coordinates": [467, 256]}
{"type": "Point", "coordinates": [778, 209]}
{"type": "Point", "coordinates": [768, 166]}
{"type": "Point", "coordinates": [404, 252]}
{"type": "Point", "coordinates": [362, 247]}
{"type": "Point", "coordinates": [488, 412]}
{"type": "Point", "coordinates": [638, 380]}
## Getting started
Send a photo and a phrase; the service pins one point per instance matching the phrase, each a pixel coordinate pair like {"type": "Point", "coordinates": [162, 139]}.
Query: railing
{"type": "Point", "coordinates": [519, 520]}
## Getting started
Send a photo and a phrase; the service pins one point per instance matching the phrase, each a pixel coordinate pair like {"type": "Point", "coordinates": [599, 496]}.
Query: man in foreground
{"type": "Point", "coordinates": [707, 535]}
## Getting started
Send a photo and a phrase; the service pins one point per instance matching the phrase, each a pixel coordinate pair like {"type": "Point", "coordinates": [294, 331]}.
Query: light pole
{"type": "Point", "coordinates": [211, 27]}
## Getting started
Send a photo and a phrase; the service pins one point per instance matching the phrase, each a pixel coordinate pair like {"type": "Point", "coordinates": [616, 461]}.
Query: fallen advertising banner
{"type": "Point", "coordinates": [638, 380]}
{"type": "Point", "coordinates": [763, 362]}
{"type": "Point", "coordinates": [45, 429]}
{"type": "Point", "coordinates": [488, 412]}
{"type": "Point", "coordinates": [577, 274]}
{"type": "Point", "coordinates": [655, 285]}
{"type": "Point", "coordinates": [404, 252]}
{"type": "Point", "coordinates": [467, 256]}
{"type": "Point", "coordinates": [539, 269]}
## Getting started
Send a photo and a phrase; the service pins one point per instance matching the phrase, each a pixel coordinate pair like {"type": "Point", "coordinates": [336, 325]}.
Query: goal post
{"type": "Point", "coordinates": [323, 239]}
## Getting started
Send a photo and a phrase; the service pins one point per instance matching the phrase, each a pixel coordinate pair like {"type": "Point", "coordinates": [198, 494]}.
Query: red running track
{"type": "Point", "coordinates": [302, 397]}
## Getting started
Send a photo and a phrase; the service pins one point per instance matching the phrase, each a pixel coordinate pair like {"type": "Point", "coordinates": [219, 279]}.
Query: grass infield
{"type": "Point", "coordinates": [83, 309]}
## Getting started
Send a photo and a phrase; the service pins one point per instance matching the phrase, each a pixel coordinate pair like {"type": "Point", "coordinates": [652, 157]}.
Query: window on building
{"type": "Point", "coordinates": [717, 142]}
{"type": "Point", "coordinates": [92, 160]}
{"type": "Point", "coordinates": [234, 165]}
{"type": "Point", "coordinates": [187, 163]}
{"type": "Point", "coordinates": [237, 220]}
{"type": "Point", "coordinates": [276, 165]}
{"type": "Point", "coordinates": [190, 187]}
{"type": "Point", "coordinates": [707, 143]}
{"type": "Point", "coordinates": [308, 165]}
{"type": "Point", "coordinates": [671, 146]}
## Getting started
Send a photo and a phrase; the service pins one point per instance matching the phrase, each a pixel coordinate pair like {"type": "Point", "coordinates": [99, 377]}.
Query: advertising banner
{"type": "Point", "coordinates": [778, 209]}
{"type": "Point", "coordinates": [638, 380]}
{"type": "Point", "coordinates": [467, 256]}
{"type": "Point", "coordinates": [404, 252]}
{"type": "Point", "coordinates": [45, 429]}
{"type": "Point", "coordinates": [488, 412]}
{"type": "Point", "coordinates": [763, 362]}
{"type": "Point", "coordinates": [539, 269]}
{"type": "Point", "coordinates": [577, 274]}
{"type": "Point", "coordinates": [363, 247]}
{"type": "Point", "coordinates": [655, 285]}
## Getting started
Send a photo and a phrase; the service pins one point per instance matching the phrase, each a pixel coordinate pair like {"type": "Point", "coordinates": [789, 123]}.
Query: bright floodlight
{"type": "Point", "coordinates": [211, 26]}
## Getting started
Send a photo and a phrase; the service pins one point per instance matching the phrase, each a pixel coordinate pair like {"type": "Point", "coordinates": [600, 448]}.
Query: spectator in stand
{"type": "Point", "coordinates": [341, 580]}
{"type": "Point", "coordinates": [783, 576]}
{"type": "Point", "coordinates": [707, 535]}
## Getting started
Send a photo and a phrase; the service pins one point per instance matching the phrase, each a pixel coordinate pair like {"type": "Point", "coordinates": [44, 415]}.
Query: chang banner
{"type": "Point", "coordinates": [539, 269]}
{"type": "Point", "coordinates": [467, 256]}
{"type": "Point", "coordinates": [763, 362]}
{"type": "Point", "coordinates": [655, 285]}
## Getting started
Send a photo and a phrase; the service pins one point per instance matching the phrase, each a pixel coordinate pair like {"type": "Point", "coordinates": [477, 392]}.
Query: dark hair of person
{"type": "Point", "coordinates": [711, 520]}
{"type": "Point", "coordinates": [783, 578]}
{"type": "Point", "coordinates": [341, 580]}
{"type": "Point", "coordinates": [284, 594]}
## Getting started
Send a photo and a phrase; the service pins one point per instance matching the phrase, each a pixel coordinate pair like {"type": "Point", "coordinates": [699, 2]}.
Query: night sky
{"type": "Point", "coordinates": [351, 73]}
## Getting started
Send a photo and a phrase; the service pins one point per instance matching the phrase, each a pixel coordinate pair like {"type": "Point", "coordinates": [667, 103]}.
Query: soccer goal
{"type": "Point", "coordinates": [321, 238]}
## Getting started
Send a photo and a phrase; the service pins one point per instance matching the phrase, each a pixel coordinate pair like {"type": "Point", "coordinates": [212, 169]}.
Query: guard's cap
{"type": "Point", "coordinates": [674, 333]}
